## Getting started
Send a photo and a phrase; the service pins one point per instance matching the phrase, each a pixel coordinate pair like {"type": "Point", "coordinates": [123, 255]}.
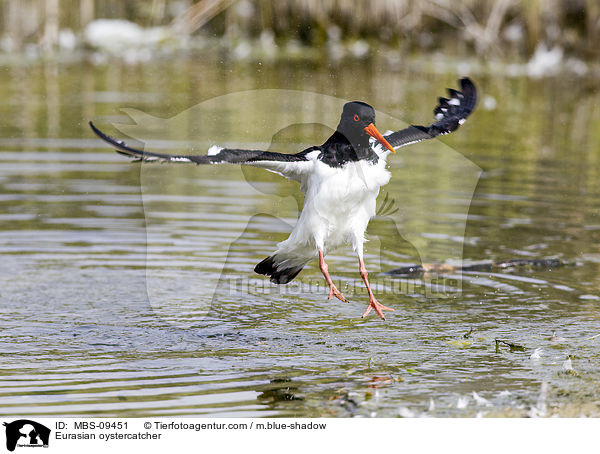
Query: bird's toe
{"type": "Point", "coordinates": [333, 291]}
{"type": "Point", "coordinates": [378, 307]}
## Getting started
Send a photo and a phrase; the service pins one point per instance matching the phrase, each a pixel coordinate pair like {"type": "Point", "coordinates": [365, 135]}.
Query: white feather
{"type": "Point", "coordinates": [338, 205]}
{"type": "Point", "coordinates": [294, 170]}
{"type": "Point", "coordinates": [378, 148]}
{"type": "Point", "coordinates": [214, 150]}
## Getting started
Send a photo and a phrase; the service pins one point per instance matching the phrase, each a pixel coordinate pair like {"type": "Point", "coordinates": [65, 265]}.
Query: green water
{"type": "Point", "coordinates": [128, 290]}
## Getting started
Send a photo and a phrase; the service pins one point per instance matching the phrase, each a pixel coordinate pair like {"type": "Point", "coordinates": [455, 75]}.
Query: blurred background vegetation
{"type": "Point", "coordinates": [512, 29]}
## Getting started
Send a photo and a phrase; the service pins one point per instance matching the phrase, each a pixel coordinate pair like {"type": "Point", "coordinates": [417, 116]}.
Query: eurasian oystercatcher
{"type": "Point", "coordinates": [341, 180]}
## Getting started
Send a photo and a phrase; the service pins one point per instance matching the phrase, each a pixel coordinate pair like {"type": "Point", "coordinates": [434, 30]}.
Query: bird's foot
{"type": "Point", "coordinates": [379, 308]}
{"type": "Point", "coordinates": [333, 291]}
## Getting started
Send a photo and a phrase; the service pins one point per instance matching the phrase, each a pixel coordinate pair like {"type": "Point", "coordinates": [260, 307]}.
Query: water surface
{"type": "Point", "coordinates": [119, 282]}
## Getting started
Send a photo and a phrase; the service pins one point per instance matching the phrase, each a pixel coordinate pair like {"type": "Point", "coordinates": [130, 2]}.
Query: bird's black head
{"type": "Point", "coordinates": [357, 123]}
{"type": "Point", "coordinates": [356, 116]}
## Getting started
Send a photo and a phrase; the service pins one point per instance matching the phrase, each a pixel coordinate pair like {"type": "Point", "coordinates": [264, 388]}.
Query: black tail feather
{"type": "Point", "coordinates": [268, 267]}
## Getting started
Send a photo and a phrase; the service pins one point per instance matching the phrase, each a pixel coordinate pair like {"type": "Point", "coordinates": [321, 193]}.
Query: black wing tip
{"type": "Point", "coordinates": [469, 91]}
{"type": "Point", "coordinates": [466, 82]}
{"type": "Point", "coordinates": [451, 112]}
{"type": "Point", "coordinates": [120, 146]}
{"type": "Point", "coordinates": [95, 129]}
{"type": "Point", "coordinates": [102, 135]}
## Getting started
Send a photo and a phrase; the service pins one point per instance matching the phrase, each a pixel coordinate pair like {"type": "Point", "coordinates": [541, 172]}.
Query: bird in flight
{"type": "Point", "coordinates": [341, 180]}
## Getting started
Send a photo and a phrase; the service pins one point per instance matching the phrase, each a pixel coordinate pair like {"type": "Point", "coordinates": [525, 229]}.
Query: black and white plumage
{"type": "Point", "coordinates": [449, 114]}
{"type": "Point", "coordinates": [341, 180]}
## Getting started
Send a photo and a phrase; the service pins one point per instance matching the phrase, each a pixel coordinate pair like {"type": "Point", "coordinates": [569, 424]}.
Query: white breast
{"type": "Point", "coordinates": [339, 203]}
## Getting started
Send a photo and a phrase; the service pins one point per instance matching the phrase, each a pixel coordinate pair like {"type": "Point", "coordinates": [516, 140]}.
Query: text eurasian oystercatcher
{"type": "Point", "coordinates": [341, 180]}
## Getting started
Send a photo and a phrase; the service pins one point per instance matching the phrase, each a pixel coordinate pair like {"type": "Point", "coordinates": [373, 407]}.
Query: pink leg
{"type": "Point", "coordinates": [373, 303]}
{"type": "Point", "coordinates": [333, 291]}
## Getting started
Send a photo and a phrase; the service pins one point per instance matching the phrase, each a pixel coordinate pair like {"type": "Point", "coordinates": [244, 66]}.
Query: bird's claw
{"type": "Point", "coordinates": [333, 291]}
{"type": "Point", "coordinates": [379, 308]}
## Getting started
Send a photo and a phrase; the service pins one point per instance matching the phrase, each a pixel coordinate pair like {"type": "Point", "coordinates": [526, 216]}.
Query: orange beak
{"type": "Point", "coordinates": [373, 132]}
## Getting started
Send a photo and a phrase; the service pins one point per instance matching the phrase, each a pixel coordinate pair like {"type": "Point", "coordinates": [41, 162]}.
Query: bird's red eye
{"type": "Point", "coordinates": [356, 118]}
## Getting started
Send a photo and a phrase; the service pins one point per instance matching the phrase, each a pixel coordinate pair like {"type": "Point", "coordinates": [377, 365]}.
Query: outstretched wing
{"type": "Point", "coordinates": [449, 115]}
{"type": "Point", "coordinates": [291, 166]}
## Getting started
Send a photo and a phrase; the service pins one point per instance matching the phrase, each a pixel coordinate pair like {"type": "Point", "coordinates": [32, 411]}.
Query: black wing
{"type": "Point", "coordinates": [289, 165]}
{"type": "Point", "coordinates": [449, 115]}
